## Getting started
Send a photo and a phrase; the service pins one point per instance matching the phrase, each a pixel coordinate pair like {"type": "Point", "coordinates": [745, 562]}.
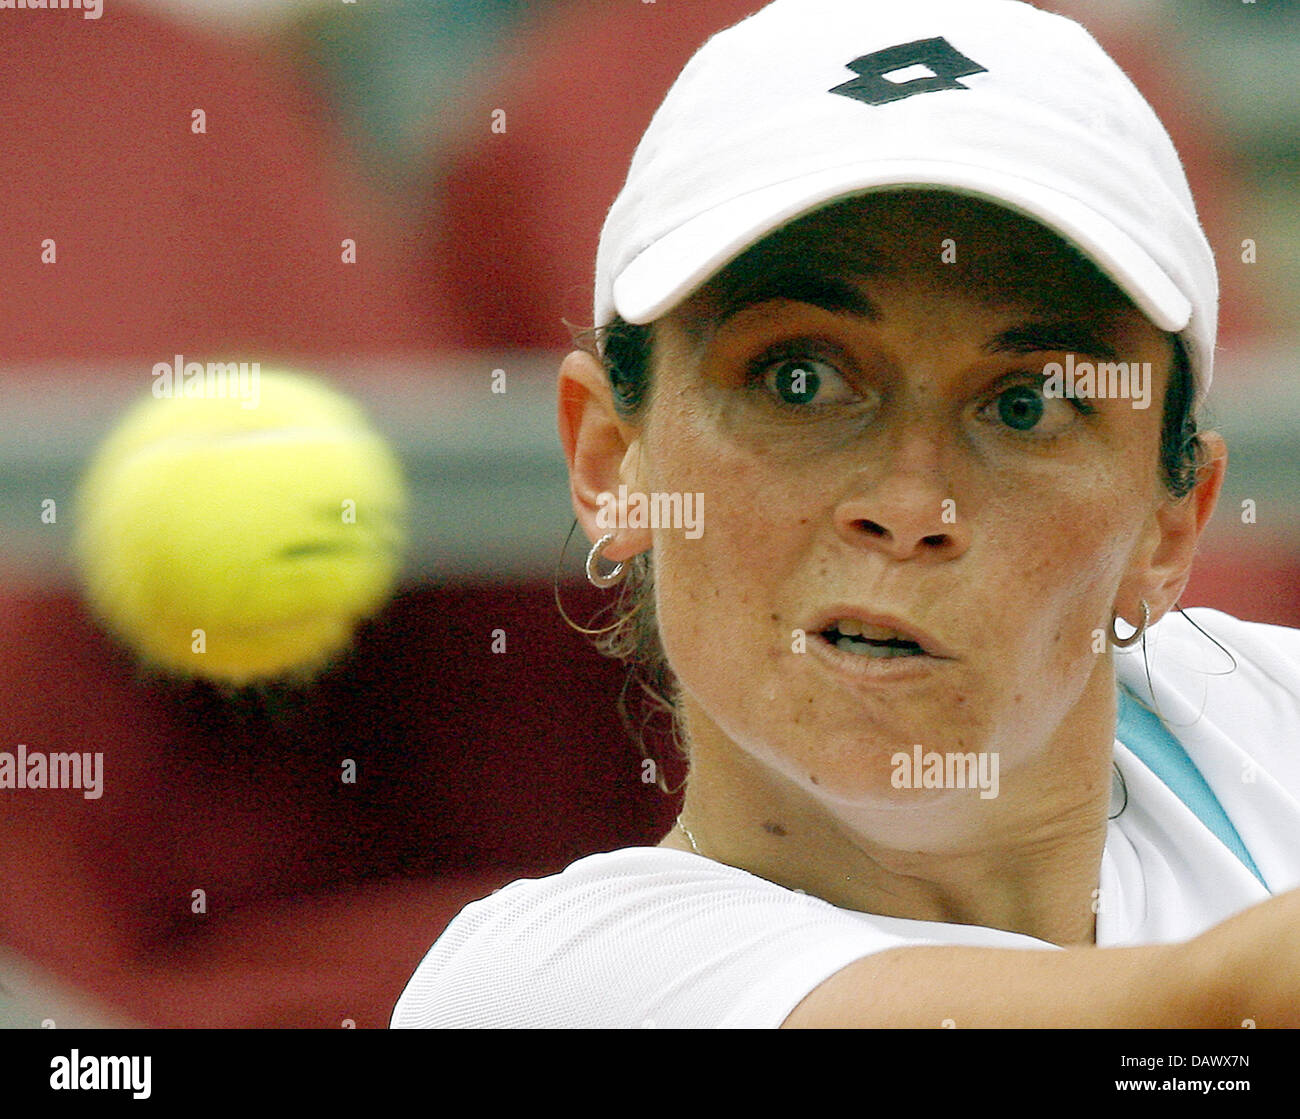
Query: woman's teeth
{"type": "Point", "coordinates": [866, 649]}
{"type": "Point", "coordinates": [868, 640]}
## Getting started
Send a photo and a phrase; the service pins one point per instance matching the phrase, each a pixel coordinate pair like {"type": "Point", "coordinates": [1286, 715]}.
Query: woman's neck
{"type": "Point", "coordinates": [1027, 860]}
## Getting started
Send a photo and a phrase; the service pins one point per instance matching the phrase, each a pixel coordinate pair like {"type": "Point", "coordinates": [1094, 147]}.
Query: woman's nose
{"type": "Point", "coordinates": [904, 505]}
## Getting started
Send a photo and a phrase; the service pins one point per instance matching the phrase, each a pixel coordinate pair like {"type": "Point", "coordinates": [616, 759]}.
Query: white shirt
{"type": "Point", "coordinates": [652, 937]}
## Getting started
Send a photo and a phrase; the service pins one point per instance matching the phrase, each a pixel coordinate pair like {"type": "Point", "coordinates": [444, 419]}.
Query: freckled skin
{"type": "Point", "coordinates": [844, 505]}
{"type": "Point", "coordinates": [1030, 569]}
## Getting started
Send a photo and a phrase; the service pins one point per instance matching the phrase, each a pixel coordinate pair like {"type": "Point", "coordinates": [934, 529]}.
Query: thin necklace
{"type": "Point", "coordinates": [687, 832]}
{"type": "Point", "coordinates": [696, 847]}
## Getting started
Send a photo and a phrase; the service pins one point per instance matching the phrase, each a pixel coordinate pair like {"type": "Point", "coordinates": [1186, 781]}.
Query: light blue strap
{"type": "Point", "coordinates": [1143, 733]}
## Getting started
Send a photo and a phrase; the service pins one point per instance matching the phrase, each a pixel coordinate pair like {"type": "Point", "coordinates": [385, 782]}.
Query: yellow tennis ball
{"type": "Point", "coordinates": [241, 538]}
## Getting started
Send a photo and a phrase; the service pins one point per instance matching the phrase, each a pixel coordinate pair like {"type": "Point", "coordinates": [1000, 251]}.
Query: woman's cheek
{"type": "Point", "coordinates": [715, 594]}
{"type": "Point", "coordinates": [1080, 543]}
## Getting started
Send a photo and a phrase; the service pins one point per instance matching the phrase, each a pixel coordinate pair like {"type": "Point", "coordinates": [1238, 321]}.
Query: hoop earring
{"type": "Point", "coordinates": [559, 605]}
{"type": "Point", "coordinates": [1136, 635]}
{"type": "Point", "coordinates": [594, 575]}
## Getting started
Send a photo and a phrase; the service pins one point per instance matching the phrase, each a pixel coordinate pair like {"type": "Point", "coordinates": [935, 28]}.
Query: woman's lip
{"type": "Point", "coordinates": [857, 670]}
{"type": "Point", "coordinates": [930, 646]}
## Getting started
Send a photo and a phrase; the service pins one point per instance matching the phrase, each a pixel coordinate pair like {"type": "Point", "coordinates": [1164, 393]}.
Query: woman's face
{"type": "Point", "coordinates": [861, 404]}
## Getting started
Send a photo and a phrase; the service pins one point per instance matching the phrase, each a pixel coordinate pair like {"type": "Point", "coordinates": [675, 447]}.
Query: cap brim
{"type": "Point", "coordinates": [681, 260]}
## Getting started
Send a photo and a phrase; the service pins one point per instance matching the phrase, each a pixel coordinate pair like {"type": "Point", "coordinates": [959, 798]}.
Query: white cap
{"type": "Point", "coordinates": [809, 101]}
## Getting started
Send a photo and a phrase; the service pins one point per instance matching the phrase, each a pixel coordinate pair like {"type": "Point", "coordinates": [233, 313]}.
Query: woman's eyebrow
{"type": "Point", "coordinates": [836, 293]}
{"type": "Point", "coordinates": [842, 292]}
{"type": "Point", "coordinates": [1052, 336]}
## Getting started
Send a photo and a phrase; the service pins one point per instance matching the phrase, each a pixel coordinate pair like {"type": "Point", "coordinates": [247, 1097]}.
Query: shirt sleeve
{"type": "Point", "coordinates": [649, 938]}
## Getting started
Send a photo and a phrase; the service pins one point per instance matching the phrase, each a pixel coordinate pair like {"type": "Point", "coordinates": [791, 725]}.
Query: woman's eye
{"type": "Point", "coordinates": [804, 381]}
{"type": "Point", "coordinates": [1023, 407]}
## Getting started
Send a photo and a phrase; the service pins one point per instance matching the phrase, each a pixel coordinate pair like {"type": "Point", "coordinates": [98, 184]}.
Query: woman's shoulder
{"type": "Point", "coordinates": [532, 952]}
{"type": "Point", "coordinates": [1228, 691]}
{"type": "Point", "coordinates": [665, 937]}
{"type": "Point", "coordinates": [1243, 677]}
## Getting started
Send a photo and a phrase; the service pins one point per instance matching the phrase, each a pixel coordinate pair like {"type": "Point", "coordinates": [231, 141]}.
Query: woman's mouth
{"type": "Point", "coordinates": [866, 640]}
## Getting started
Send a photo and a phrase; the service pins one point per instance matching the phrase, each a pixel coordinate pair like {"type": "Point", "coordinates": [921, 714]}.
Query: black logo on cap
{"type": "Point", "coordinates": [945, 63]}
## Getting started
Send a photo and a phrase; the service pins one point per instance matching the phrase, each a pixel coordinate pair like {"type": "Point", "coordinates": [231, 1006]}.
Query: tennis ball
{"type": "Point", "coordinates": [241, 540]}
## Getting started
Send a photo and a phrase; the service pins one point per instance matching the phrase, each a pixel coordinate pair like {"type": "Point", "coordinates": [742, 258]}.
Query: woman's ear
{"type": "Point", "coordinates": [1178, 528]}
{"type": "Point", "coordinates": [603, 452]}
